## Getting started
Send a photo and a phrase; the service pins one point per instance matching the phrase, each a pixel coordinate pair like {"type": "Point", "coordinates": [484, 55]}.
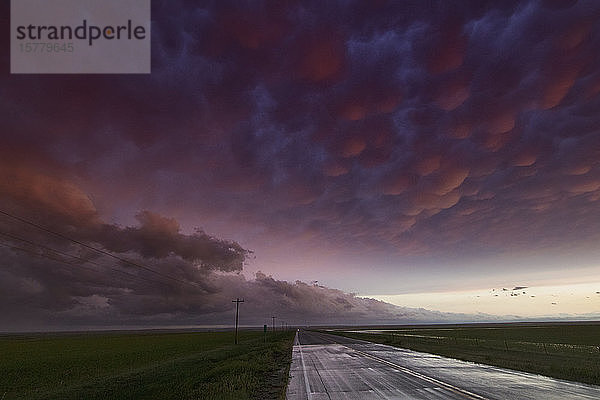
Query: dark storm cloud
{"type": "Point", "coordinates": [454, 129]}
{"type": "Point", "coordinates": [38, 293]}
{"type": "Point", "coordinates": [159, 237]}
{"type": "Point", "coordinates": [64, 207]}
{"type": "Point", "coordinates": [161, 277]}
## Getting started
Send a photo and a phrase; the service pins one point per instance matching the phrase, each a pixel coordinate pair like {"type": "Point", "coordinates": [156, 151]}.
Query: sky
{"type": "Point", "coordinates": [330, 162]}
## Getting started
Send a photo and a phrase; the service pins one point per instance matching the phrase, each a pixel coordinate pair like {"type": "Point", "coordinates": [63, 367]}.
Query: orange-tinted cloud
{"type": "Point", "coordinates": [353, 146]}
{"type": "Point", "coordinates": [501, 122]}
{"type": "Point", "coordinates": [252, 30]}
{"type": "Point", "coordinates": [428, 165]}
{"type": "Point", "coordinates": [25, 187]}
{"type": "Point", "coordinates": [353, 112]}
{"type": "Point", "coordinates": [557, 89]}
{"type": "Point", "coordinates": [575, 35]}
{"type": "Point", "coordinates": [322, 57]}
{"type": "Point", "coordinates": [452, 94]}
{"type": "Point", "coordinates": [449, 179]}
{"type": "Point", "coordinates": [525, 158]}
{"type": "Point", "coordinates": [335, 169]}
{"type": "Point", "coordinates": [449, 51]}
{"type": "Point", "coordinates": [584, 185]}
{"type": "Point", "coordinates": [396, 184]}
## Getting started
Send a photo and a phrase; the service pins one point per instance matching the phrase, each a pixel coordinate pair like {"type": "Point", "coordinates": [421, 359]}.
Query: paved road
{"type": "Point", "coordinates": [328, 367]}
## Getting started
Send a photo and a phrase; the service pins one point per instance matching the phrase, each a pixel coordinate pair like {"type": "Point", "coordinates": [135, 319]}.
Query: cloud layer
{"type": "Point", "coordinates": [161, 276]}
{"type": "Point", "coordinates": [408, 131]}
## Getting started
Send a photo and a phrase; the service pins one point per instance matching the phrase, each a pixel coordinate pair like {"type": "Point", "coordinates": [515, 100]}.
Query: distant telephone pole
{"type": "Point", "coordinates": [273, 323]}
{"type": "Point", "coordinates": [237, 312]}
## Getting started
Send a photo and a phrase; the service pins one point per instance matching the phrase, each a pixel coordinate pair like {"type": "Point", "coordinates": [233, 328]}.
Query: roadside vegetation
{"type": "Point", "coordinates": [562, 351]}
{"type": "Point", "coordinates": [145, 366]}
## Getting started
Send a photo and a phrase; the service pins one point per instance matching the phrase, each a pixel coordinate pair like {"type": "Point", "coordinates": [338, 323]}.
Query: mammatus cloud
{"type": "Point", "coordinates": [305, 114]}
{"type": "Point", "coordinates": [163, 277]}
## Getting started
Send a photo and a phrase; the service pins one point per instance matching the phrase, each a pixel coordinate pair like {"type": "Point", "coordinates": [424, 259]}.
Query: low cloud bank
{"type": "Point", "coordinates": [171, 278]}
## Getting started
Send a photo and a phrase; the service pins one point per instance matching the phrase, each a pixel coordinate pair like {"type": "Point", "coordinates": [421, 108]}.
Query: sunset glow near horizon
{"type": "Point", "coordinates": [428, 156]}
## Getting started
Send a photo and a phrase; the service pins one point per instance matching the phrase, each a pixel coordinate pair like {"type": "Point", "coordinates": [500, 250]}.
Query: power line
{"type": "Point", "coordinates": [13, 247]}
{"type": "Point", "coordinates": [124, 260]}
{"type": "Point", "coordinates": [82, 260]}
{"type": "Point", "coordinates": [141, 280]}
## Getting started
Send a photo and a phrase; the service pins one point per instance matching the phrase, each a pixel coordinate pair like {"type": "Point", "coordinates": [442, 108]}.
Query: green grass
{"type": "Point", "coordinates": [562, 351]}
{"type": "Point", "coordinates": [145, 366]}
{"type": "Point", "coordinates": [566, 334]}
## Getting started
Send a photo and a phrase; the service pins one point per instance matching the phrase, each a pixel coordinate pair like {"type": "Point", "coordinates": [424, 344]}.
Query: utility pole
{"type": "Point", "coordinates": [237, 312]}
{"type": "Point", "coordinates": [273, 323]}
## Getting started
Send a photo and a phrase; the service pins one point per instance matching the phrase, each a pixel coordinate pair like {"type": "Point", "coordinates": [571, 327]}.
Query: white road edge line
{"type": "Point", "coordinates": [308, 393]}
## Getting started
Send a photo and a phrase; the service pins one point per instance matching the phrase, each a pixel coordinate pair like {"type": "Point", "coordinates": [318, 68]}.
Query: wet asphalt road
{"type": "Point", "coordinates": [329, 367]}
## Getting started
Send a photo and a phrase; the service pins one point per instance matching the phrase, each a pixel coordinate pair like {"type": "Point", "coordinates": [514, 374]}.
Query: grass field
{"type": "Point", "coordinates": [145, 366]}
{"type": "Point", "coordinates": [562, 351]}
